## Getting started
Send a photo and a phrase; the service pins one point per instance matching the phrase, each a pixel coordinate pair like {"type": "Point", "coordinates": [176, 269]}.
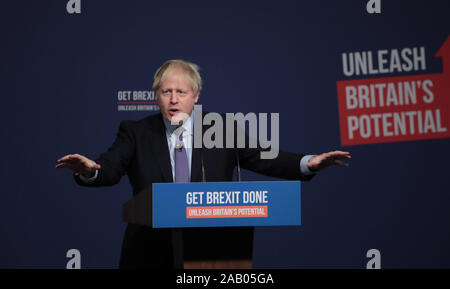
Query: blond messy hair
{"type": "Point", "coordinates": [190, 69]}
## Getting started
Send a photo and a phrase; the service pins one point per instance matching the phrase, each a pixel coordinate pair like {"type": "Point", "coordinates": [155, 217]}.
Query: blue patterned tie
{"type": "Point", "coordinates": [181, 162]}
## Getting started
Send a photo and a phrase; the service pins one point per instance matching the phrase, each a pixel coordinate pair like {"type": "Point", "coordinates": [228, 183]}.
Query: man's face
{"type": "Point", "coordinates": [175, 94]}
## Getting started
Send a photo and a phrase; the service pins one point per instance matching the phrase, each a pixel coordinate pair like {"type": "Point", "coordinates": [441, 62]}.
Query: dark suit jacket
{"type": "Point", "coordinates": [141, 151]}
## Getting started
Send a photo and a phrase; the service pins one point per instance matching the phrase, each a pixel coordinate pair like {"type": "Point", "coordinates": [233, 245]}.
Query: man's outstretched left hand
{"type": "Point", "coordinates": [322, 161]}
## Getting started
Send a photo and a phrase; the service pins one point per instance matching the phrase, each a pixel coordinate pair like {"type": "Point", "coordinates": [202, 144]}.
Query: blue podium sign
{"type": "Point", "coordinates": [221, 204]}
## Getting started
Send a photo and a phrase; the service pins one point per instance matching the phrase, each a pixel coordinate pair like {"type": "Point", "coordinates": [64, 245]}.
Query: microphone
{"type": "Point", "coordinates": [203, 166]}
{"type": "Point", "coordinates": [179, 146]}
{"type": "Point", "coordinates": [239, 178]}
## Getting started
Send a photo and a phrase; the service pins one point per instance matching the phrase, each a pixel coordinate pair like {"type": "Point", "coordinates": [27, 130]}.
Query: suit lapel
{"type": "Point", "coordinates": [196, 166]}
{"type": "Point", "coordinates": [197, 156]}
{"type": "Point", "coordinates": [161, 149]}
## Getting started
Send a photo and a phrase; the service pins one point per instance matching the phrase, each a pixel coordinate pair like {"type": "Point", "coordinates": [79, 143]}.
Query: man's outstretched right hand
{"type": "Point", "coordinates": [79, 164]}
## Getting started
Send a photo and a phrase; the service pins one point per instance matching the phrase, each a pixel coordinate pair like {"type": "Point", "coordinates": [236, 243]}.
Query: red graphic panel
{"type": "Point", "coordinates": [391, 109]}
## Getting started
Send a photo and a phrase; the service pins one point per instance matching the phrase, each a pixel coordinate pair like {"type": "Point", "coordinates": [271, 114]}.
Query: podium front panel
{"type": "Point", "coordinates": [224, 204]}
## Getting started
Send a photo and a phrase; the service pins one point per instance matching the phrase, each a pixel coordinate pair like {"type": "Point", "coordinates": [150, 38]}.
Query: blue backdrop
{"type": "Point", "coordinates": [61, 74]}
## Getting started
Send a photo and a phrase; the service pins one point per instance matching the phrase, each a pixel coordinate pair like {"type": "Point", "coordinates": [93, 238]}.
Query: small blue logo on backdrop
{"type": "Point", "coordinates": [219, 204]}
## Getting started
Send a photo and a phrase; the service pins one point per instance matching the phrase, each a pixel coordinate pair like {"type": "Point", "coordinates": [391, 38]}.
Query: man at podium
{"type": "Point", "coordinates": [153, 150]}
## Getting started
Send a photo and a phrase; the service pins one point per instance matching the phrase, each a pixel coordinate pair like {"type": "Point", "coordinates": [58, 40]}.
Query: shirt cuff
{"type": "Point", "coordinates": [303, 167]}
{"type": "Point", "coordinates": [88, 180]}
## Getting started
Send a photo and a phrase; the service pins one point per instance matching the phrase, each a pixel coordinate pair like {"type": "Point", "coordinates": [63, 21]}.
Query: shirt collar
{"type": "Point", "coordinates": [187, 125]}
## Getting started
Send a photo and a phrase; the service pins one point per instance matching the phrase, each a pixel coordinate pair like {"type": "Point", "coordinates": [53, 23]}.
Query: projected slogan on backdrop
{"type": "Point", "coordinates": [391, 109]}
{"type": "Point", "coordinates": [137, 100]}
